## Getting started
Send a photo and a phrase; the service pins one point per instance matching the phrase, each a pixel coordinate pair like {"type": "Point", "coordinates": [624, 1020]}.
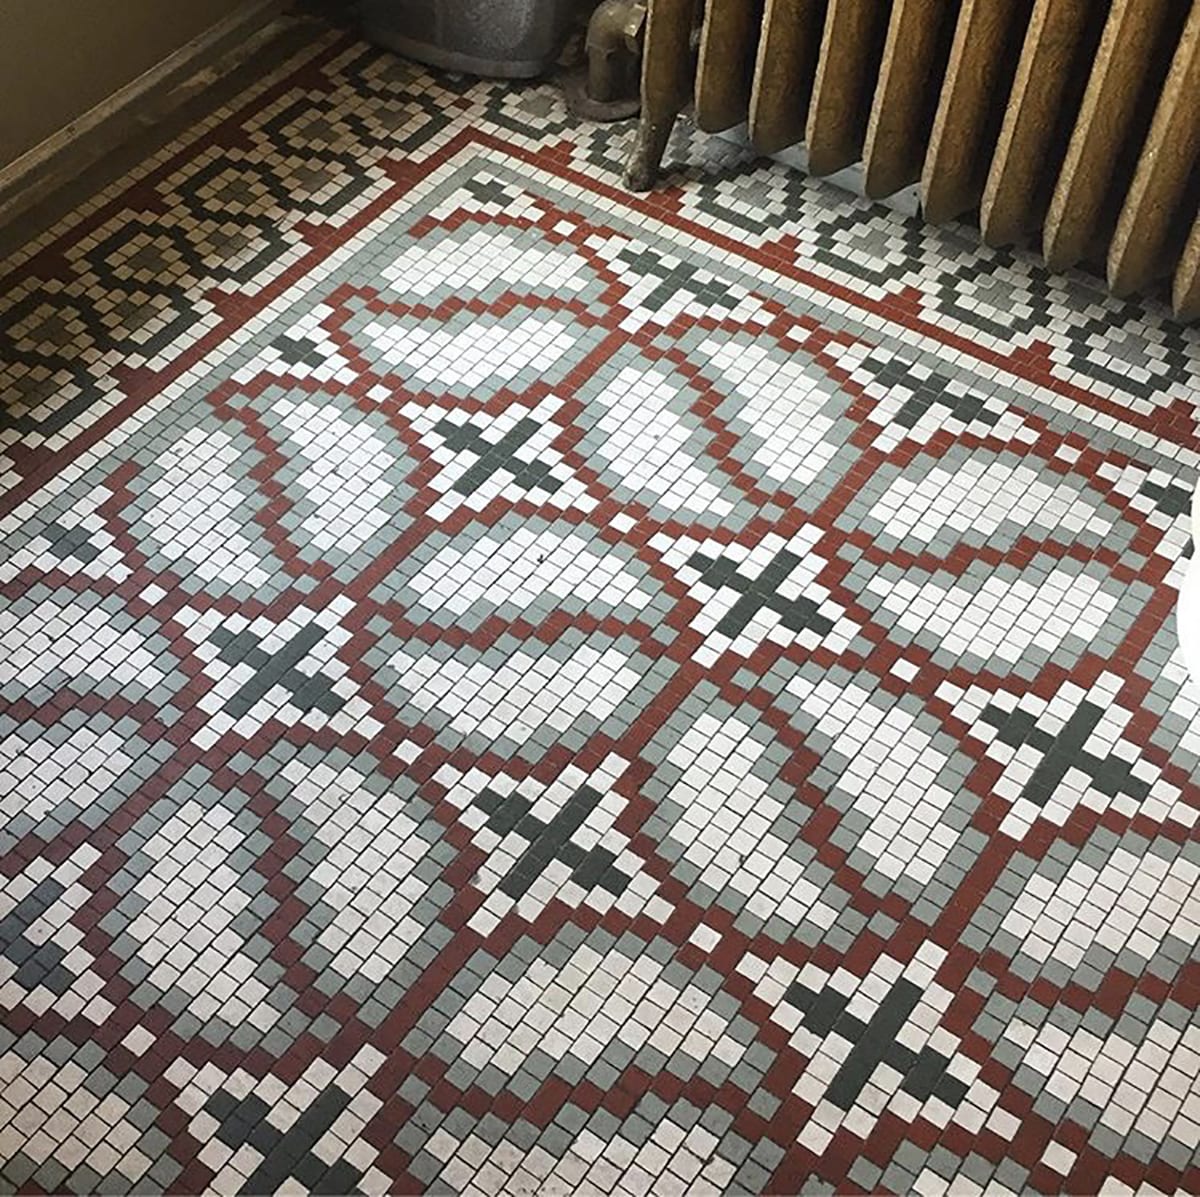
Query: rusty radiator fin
{"type": "Point", "coordinates": [1185, 294]}
{"type": "Point", "coordinates": [728, 46]}
{"type": "Point", "coordinates": [1070, 124]}
{"type": "Point", "coordinates": [1055, 61]}
{"type": "Point", "coordinates": [847, 67]}
{"type": "Point", "coordinates": [1138, 254]}
{"type": "Point", "coordinates": [1113, 120]}
{"type": "Point", "coordinates": [784, 72]}
{"type": "Point", "coordinates": [915, 55]}
{"type": "Point", "coordinates": [668, 69]}
{"type": "Point", "coordinates": [983, 60]}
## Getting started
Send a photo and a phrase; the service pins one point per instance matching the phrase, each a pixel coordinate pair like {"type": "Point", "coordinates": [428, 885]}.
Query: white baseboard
{"type": "Point", "coordinates": [1187, 618]}
{"type": "Point", "coordinates": [142, 102]}
{"type": "Point", "coordinates": [1187, 614]}
{"type": "Point", "coordinates": [906, 201]}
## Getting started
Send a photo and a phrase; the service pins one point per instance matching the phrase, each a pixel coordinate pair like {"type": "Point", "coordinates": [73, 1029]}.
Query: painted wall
{"type": "Point", "coordinates": [58, 58]}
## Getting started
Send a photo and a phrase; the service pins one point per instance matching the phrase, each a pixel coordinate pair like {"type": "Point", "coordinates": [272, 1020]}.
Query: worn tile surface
{"type": "Point", "coordinates": [510, 686]}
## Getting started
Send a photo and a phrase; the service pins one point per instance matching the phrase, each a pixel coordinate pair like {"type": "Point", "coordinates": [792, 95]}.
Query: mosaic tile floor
{"type": "Point", "coordinates": [513, 687]}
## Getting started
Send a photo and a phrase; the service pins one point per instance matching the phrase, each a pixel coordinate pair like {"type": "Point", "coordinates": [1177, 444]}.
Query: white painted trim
{"type": "Point", "coordinates": [1187, 614]}
{"type": "Point", "coordinates": [853, 178]}
{"type": "Point", "coordinates": [1187, 618]}
{"type": "Point", "coordinates": [140, 103]}
{"type": "Point", "coordinates": [1196, 514]}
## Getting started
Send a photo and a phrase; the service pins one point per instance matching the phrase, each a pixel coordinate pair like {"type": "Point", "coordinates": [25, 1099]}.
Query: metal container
{"type": "Point", "coordinates": [497, 38]}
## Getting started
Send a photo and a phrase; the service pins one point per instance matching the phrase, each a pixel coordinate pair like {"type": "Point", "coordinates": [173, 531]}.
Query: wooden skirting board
{"type": "Point", "coordinates": [141, 103]}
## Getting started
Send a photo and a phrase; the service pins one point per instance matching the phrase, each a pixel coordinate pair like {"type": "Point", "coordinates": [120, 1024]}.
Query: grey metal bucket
{"type": "Point", "coordinates": [496, 38]}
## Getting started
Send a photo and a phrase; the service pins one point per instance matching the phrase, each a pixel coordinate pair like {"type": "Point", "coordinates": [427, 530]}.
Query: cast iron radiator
{"type": "Point", "coordinates": [1073, 123]}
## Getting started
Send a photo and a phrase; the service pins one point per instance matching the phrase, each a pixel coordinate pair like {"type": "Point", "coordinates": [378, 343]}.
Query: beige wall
{"type": "Point", "coordinates": [58, 58]}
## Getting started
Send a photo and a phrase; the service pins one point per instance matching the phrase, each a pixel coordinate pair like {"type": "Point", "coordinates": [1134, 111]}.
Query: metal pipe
{"type": "Point", "coordinates": [612, 49]}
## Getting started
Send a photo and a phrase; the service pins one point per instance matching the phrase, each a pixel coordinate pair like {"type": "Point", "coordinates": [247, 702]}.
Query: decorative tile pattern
{"type": "Point", "coordinates": [507, 686]}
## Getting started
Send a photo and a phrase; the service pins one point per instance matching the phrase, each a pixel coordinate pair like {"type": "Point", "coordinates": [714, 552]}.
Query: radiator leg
{"type": "Point", "coordinates": [668, 78]}
{"type": "Point", "coordinates": [641, 172]}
